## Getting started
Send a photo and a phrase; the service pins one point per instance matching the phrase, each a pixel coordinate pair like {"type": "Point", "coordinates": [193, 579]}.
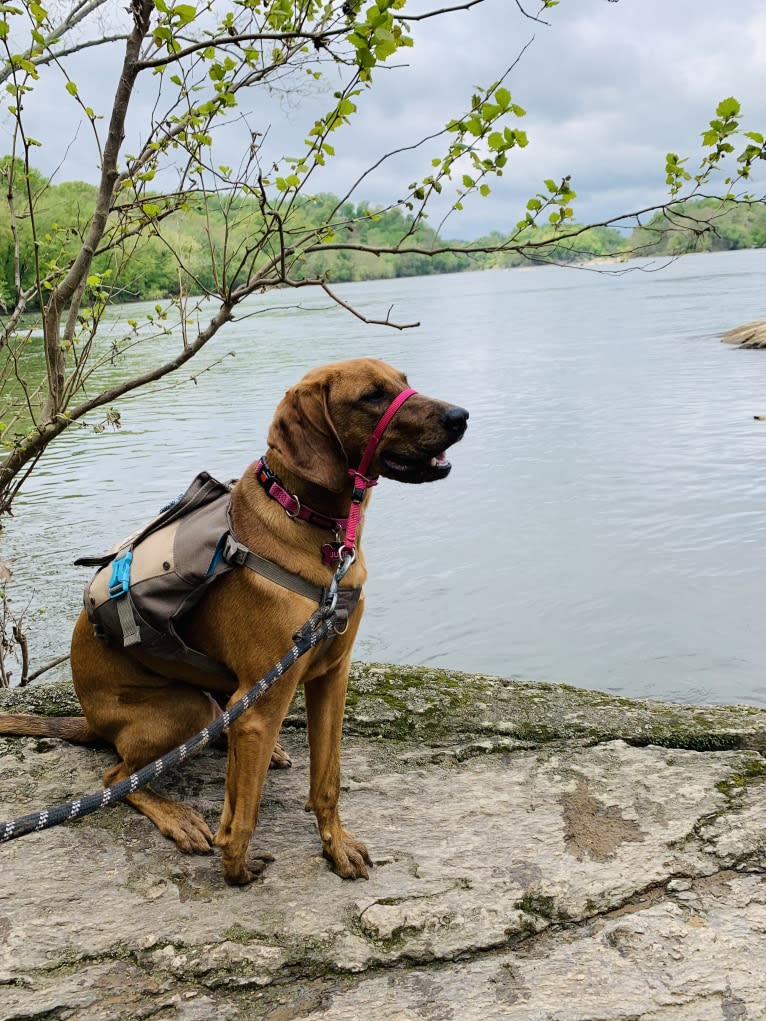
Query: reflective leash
{"type": "Point", "coordinates": [317, 628]}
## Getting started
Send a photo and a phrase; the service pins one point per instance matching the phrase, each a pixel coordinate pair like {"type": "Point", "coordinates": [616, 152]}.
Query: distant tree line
{"type": "Point", "coordinates": [149, 268]}
{"type": "Point", "coordinates": [704, 225]}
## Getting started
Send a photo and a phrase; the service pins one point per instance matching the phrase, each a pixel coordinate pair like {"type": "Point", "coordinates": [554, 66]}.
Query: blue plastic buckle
{"type": "Point", "coordinates": [119, 580]}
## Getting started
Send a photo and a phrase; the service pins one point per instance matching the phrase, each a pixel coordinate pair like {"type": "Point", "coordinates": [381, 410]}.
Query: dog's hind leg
{"type": "Point", "coordinates": [144, 716]}
{"type": "Point", "coordinates": [160, 720]}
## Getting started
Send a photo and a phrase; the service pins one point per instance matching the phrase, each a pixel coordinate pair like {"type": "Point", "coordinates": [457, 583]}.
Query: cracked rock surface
{"type": "Point", "coordinates": [536, 856]}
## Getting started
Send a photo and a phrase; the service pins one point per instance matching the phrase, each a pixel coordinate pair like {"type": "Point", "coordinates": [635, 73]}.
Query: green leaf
{"type": "Point", "coordinates": [468, 182]}
{"type": "Point", "coordinates": [71, 88]}
{"type": "Point", "coordinates": [728, 107]}
{"type": "Point", "coordinates": [484, 190]}
{"type": "Point", "coordinates": [503, 98]}
{"type": "Point", "coordinates": [184, 13]}
{"type": "Point", "coordinates": [24, 64]}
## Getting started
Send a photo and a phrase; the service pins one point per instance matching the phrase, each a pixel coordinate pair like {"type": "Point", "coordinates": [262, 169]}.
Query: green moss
{"type": "Point", "coordinates": [72, 960]}
{"type": "Point", "coordinates": [690, 740]}
{"type": "Point", "coordinates": [542, 906]}
{"type": "Point", "coordinates": [429, 706]}
{"type": "Point", "coordinates": [240, 934]}
{"type": "Point", "coordinates": [41, 699]}
{"type": "Point", "coordinates": [750, 770]}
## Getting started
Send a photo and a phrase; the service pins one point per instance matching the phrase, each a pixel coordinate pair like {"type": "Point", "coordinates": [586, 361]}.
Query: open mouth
{"type": "Point", "coordinates": [408, 469]}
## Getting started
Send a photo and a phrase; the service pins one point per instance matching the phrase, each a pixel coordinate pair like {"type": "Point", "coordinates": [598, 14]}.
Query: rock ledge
{"type": "Point", "coordinates": [541, 852]}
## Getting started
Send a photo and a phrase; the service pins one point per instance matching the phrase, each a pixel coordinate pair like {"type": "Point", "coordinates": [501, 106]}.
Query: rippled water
{"type": "Point", "coordinates": [604, 521]}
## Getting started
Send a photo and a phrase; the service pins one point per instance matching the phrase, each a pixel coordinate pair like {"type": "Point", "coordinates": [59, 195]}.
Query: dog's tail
{"type": "Point", "coordinates": [70, 728]}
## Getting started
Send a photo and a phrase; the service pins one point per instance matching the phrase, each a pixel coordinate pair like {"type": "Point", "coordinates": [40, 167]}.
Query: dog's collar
{"type": "Point", "coordinates": [293, 507]}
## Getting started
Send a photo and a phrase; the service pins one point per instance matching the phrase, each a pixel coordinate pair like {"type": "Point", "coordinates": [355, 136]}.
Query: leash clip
{"type": "Point", "coordinates": [346, 558]}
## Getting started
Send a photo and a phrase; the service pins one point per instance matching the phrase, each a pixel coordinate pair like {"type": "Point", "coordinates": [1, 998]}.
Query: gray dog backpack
{"type": "Point", "coordinates": [151, 579]}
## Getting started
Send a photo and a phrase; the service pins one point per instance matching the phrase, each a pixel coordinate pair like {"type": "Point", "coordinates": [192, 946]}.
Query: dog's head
{"type": "Point", "coordinates": [323, 424]}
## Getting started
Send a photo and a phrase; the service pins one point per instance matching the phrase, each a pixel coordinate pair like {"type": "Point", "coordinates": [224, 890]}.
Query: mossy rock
{"type": "Point", "coordinates": [447, 707]}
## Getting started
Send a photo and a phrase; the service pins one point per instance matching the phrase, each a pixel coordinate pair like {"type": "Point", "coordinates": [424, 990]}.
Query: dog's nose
{"type": "Point", "coordinates": [456, 420]}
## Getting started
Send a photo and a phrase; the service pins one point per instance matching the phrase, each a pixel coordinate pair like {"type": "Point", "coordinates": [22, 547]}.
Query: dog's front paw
{"type": "Point", "coordinates": [250, 869]}
{"type": "Point", "coordinates": [349, 857]}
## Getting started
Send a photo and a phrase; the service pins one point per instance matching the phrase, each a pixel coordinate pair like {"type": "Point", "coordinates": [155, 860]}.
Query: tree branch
{"type": "Point", "coordinates": [77, 13]}
{"type": "Point", "coordinates": [350, 308]}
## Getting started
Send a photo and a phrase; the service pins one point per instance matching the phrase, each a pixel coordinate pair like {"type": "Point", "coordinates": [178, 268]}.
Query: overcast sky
{"type": "Point", "coordinates": [609, 89]}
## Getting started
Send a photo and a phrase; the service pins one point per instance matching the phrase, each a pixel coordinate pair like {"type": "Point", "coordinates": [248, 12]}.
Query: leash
{"type": "Point", "coordinates": [317, 628]}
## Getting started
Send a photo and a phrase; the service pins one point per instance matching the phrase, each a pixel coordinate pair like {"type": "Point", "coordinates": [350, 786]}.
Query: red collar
{"type": "Point", "coordinates": [333, 552]}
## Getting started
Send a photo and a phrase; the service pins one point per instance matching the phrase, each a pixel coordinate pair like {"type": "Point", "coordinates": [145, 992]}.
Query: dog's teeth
{"type": "Point", "coordinates": [434, 462]}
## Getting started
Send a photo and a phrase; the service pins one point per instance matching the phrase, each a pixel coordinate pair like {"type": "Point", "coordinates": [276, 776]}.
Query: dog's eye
{"type": "Point", "coordinates": [373, 396]}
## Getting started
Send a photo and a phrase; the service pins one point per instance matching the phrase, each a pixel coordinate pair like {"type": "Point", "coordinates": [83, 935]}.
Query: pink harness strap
{"type": "Point", "coordinates": [380, 428]}
{"type": "Point", "coordinates": [361, 481]}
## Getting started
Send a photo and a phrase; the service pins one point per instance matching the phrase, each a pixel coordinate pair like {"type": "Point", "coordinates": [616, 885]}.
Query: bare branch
{"type": "Point", "coordinates": [355, 311]}
{"type": "Point", "coordinates": [46, 667]}
{"type": "Point", "coordinates": [78, 13]}
{"type": "Point", "coordinates": [532, 17]}
{"type": "Point", "coordinates": [442, 10]}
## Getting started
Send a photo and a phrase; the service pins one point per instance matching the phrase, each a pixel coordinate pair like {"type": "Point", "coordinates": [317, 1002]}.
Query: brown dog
{"type": "Point", "coordinates": [146, 707]}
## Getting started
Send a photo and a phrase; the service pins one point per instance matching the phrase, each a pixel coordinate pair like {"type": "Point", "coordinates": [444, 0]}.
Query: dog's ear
{"type": "Point", "coordinates": [303, 435]}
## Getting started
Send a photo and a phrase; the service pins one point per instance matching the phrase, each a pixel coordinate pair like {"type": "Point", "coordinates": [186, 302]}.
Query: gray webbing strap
{"type": "Point", "coordinates": [235, 553]}
{"type": "Point", "coordinates": [130, 633]}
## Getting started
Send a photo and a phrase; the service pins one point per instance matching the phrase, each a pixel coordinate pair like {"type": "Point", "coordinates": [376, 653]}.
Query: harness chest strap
{"type": "Point", "coordinates": [236, 553]}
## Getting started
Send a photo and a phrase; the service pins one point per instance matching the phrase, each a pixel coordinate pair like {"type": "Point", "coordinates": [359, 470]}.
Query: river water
{"type": "Point", "coordinates": [604, 521]}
